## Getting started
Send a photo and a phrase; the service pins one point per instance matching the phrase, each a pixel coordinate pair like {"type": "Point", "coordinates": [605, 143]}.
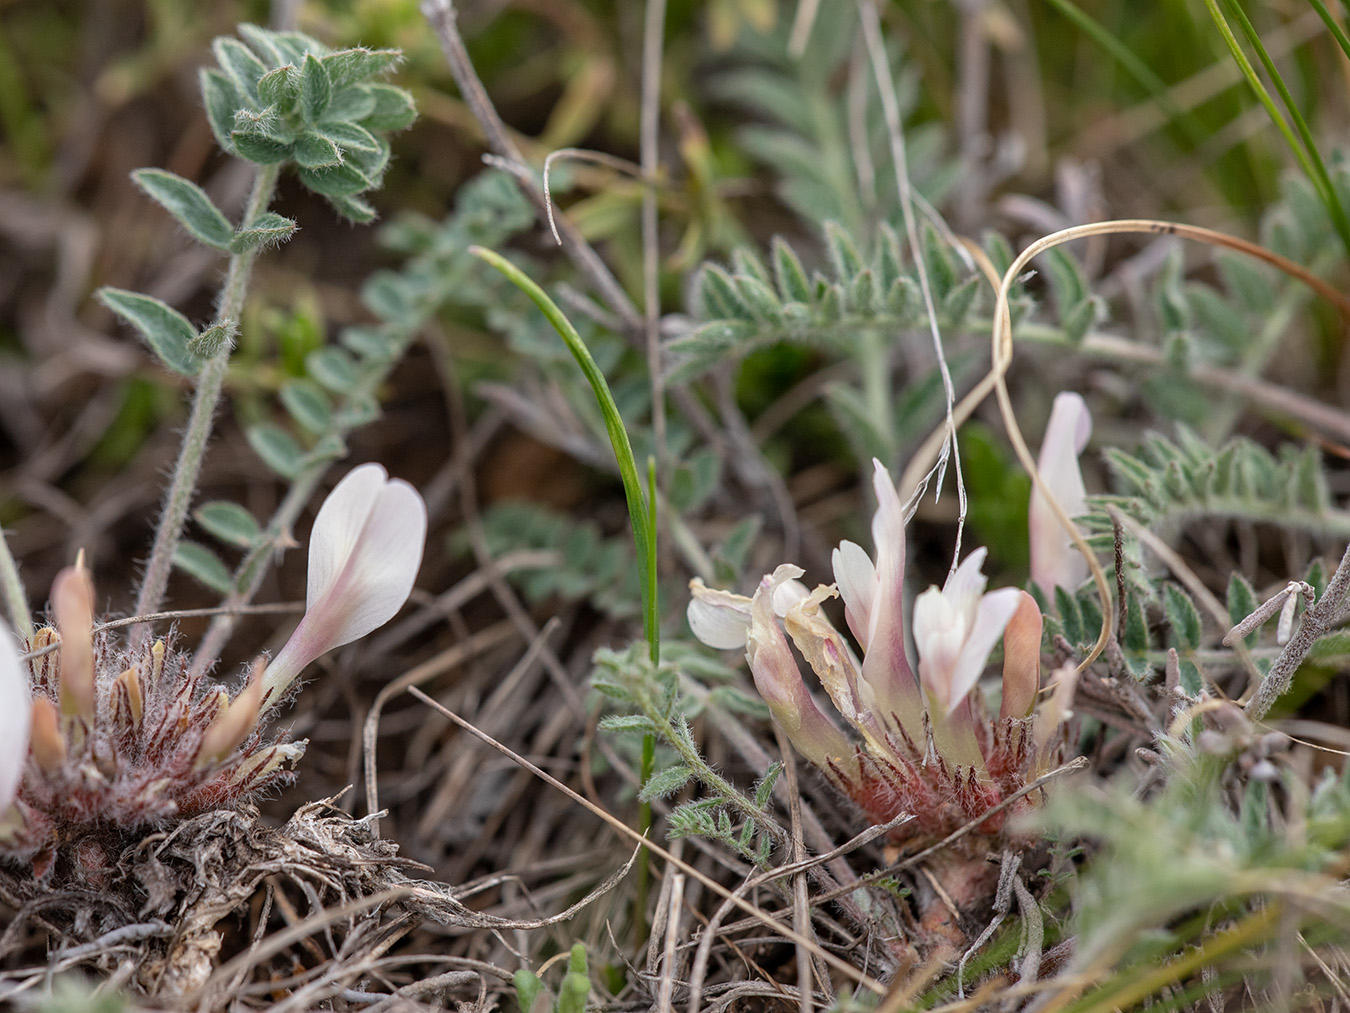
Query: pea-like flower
{"type": "Point", "coordinates": [117, 740]}
{"type": "Point", "coordinates": [926, 744]}
{"type": "Point", "coordinates": [364, 553]}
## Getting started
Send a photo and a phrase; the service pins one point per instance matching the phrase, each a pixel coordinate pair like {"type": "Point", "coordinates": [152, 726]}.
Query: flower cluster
{"type": "Point", "coordinates": [97, 741]}
{"type": "Point", "coordinates": [925, 743]}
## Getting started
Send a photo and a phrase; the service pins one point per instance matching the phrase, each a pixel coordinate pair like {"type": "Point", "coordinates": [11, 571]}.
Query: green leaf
{"type": "Point", "coordinates": [350, 66]}
{"type": "Point", "coordinates": [528, 988]}
{"type": "Point", "coordinates": [277, 448]}
{"type": "Point", "coordinates": [354, 209]}
{"type": "Point", "coordinates": [789, 273]}
{"type": "Point", "coordinates": [619, 724]}
{"type": "Point", "coordinates": [350, 137]}
{"type": "Point", "coordinates": [243, 68]}
{"type": "Point", "coordinates": [314, 151]}
{"type": "Point", "coordinates": [1066, 607]}
{"type": "Point", "coordinates": [203, 565]}
{"type": "Point", "coordinates": [307, 404]}
{"type": "Point", "coordinates": [352, 104]}
{"type": "Point", "coordinates": [392, 109]}
{"type": "Point", "coordinates": [1182, 616]}
{"type": "Point", "coordinates": [335, 181]}
{"type": "Point", "coordinates": [210, 341]}
{"type": "Point", "coordinates": [165, 330]}
{"type": "Point", "coordinates": [1136, 627]}
{"type": "Point", "coordinates": [188, 203]}
{"type": "Point", "coordinates": [268, 229]}
{"type": "Point", "coordinates": [843, 253]}
{"type": "Point", "coordinates": [229, 522]}
{"type": "Point", "coordinates": [764, 789]}
{"type": "Point", "coordinates": [280, 88]}
{"type": "Point", "coordinates": [259, 147]}
{"type": "Point", "coordinates": [664, 783]}
{"type": "Point", "coordinates": [333, 368]}
{"type": "Point", "coordinates": [222, 100]}
{"type": "Point", "coordinates": [316, 89]}
{"type": "Point", "coordinates": [1241, 603]}
{"type": "Point", "coordinates": [379, 344]}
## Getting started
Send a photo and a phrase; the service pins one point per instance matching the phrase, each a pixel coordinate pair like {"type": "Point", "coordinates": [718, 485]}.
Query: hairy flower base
{"type": "Point", "coordinates": [941, 796]}
{"type": "Point", "coordinates": [136, 762]}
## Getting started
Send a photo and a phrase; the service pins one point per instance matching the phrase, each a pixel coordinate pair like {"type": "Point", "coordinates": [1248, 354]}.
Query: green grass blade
{"type": "Point", "coordinates": [1139, 70]}
{"type": "Point", "coordinates": [1337, 32]}
{"type": "Point", "coordinates": [1320, 178]}
{"type": "Point", "coordinates": [1307, 157]}
{"type": "Point", "coordinates": [644, 530]}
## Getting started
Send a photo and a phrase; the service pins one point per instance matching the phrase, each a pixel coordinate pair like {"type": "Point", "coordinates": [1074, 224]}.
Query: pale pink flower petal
{"type": "Point", "coordinates": [1055, 560]}
{"type": "Point", "coordinates": [15, 706]}
{"type": "Point", "coordinates": [365, 550]}
{"type": "Point", "coordinates": [885, 666]}
{"type": "Point", "coordinates": [955, 629]}
{"type": "Point", "coordinates": [1022, 659]}
{"type": "Point", "coordinates": [779, 682]}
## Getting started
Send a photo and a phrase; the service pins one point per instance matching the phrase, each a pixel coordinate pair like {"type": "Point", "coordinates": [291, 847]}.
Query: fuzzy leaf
{"type": "Point", "coordinates": [165, 330]}
{"type": "Point", "coordinates": [280, 87]}
{"type": "Point", "coordinates": [307, 404]}
{"type": "Point", "coordinates": [203, 565]}
{"type": "Point", "coordinates": [259, 147]}
{"type": "Point", "coordinates": [789, 273]}
{"type": "Point", "coordinates": [355, 65]}
{"type": "Point", "coordinates": [764, 789]}
{"type": "Point", "coordinates": [229, 522]}
{"type": "Point", "coordinates": [333, 368]}
{"type": "Point", "coordinates": [354, 209]}
{"type": "Point", "coordinates": [210, 341]}
{"type": "Point", "coordinates": [664, 783]}
{"type": "Point", "coordinates": [353, 104]}
{"type": "Point", "coordinates": [316, 89]}
{"type": "Point", "coordinates": [222, 99]}
{"type": "Point", "coordinates": [188, 203]}
{"type": "Point", "coordinates": [243, 68]}
{"type": "Point", "coordinates": [314, 151]}
{"type": "Point", "coordinates": [268, 229]}
{"type": "Point", "coordinates": [619, 724]}
{"type": "Point", "coordinates": [1182, 616]}
{"type": "Point", "coordinates": [277, 448]}
{"type": "Point", "coordinates": [843, 253]}
{"type": "Point", "coordinates": [1241, 603]}
{"type": "Point", "coordinates": [350, 137]}
{"type": "Point", "coordinates": [335, 181]}
{"type": "Point", "coordinates": [391, 108]}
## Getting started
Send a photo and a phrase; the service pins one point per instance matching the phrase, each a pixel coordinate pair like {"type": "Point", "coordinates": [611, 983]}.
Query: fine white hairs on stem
{"type": "Point", "coordinates": [15, 705]}
{"type": "Point", "coordinates": [364, 554]}
{"type": "Point", "coordinates": [1283, 601]}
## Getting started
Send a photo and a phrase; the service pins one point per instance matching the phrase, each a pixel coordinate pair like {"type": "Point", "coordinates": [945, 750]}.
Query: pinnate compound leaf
{"type": "Point", "coordinates": [188, 203]}
{"type": "Point", "coordinates": [277, 448]}
{"type": "Point", "coordinates": [229, 522]}
{"type": "Point", "coordinates": [203, 565]}
{"type": "Point", "coordinates": [268, 229]}
{"type": "Point", "coordinates": [165, 330]}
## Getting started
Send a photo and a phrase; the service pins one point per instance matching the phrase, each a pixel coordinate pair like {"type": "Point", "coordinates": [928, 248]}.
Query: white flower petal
{"type": "Point", "coordinates": [718, 618]}
{"type": "Point", "coordinates": [1055, 560]}
{"type": "Point", "coordinates": [364, 554]}
{"type": "Point", "coordinates": [338, 527]}
{"type": "Point", "coordinates": [996, 609]}
{"type": "Point", "coordinates": [15, 706]}
{"type": "Point", "coordinates": [856, 577]}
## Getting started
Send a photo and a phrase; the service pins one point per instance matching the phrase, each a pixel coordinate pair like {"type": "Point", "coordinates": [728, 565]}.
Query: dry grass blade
{"type": "Point", "coordinates": [856, 976]}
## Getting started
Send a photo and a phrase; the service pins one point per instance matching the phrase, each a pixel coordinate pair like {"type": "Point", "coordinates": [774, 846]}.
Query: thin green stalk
{"type": "Point", "coordinates": [1134, 66]}
{"type": "Point", "coordinates": [640, 515]}
{"type": "Point", "coordinates": [1308, 158]}
{"type": "Point", "coordinates": [1321, 179]}
{"type": "Point", "coordinates": [210, 380]}
{"type": "Point", "coordinates": [1337, 32]}
{"type": "Point", "coordinates": [16, 598]}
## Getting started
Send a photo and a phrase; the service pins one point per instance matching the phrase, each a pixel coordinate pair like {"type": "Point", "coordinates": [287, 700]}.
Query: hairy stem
{"type": "Point", "coordinates": [182, 487]}
{"type": "Point", "coordinates": [1316, 621]}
